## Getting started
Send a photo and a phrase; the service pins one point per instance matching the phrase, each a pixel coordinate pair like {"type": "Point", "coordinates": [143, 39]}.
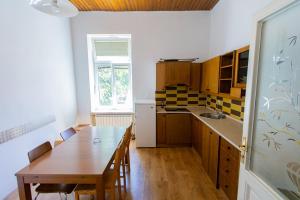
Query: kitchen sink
{"type": "Point", "coordinates": [177, 109]}
{"type": "Point", "coordinates": [213, 115]}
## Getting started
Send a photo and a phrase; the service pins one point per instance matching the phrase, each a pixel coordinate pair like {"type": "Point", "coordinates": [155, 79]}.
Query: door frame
{"type": "Point", "coordinates": [246, 176]}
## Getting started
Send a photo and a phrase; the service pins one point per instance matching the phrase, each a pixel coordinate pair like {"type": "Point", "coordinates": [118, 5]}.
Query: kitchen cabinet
{"type": "Point", "coordinates": [210, 75]}
{"type": "Point", "coordinates": [178, 129]}
{"type": "Point", "coordinates": [161, 129]}
{"type": "Point", "coordinates": [205, 147]}
{"type": "Point", "coordinates": [226, 72]}
{"type": "Point", "coordinates": [173, 129]}
{"type": "Point", "coordinates": [241, 67]}
{"type": "Point", "coordinates": [213, 162]}
{"type": "Point", "coordinates": [197, 134]}
{"type": "Point", "coordinates": [229, 169]}
{"type": "Point", "coordinates": [195, 77]}
{"type": "Point", "coordinates": [210, 153]}
{"type": "Point", "coordinates": [172, 73]}
{"type": "Point", "coordinates": [220, 159]}
{"type": "Point", "coordinates": [160, 76]}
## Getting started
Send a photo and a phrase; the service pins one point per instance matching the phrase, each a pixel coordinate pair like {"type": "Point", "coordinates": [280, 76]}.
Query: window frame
{"type": "Point", "coordinates": [93, 69]}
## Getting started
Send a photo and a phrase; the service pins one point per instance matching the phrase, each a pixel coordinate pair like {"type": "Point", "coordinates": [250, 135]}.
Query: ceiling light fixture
{"type": "Point", "coordinates": [60, 8]}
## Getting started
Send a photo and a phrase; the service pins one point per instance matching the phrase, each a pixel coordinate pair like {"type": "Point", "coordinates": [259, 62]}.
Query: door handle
{"type": "Point", "coordinates": [243, 148]}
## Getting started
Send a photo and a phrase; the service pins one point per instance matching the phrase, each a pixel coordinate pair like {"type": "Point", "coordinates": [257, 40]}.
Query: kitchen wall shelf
{"type": "Point", "coordinates": [226, 72]}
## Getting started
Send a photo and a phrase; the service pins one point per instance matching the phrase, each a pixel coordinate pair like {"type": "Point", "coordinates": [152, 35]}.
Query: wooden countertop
{"type": "Point", "coordinates": [230, 129]}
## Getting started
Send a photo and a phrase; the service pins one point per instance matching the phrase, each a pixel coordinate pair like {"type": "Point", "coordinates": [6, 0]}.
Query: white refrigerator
{"type": "Point", "coordinates": [145, 123]}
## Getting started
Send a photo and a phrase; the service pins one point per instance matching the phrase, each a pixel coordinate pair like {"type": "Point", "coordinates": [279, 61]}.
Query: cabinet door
{"type": "Point", "coordinates": [182, 72]}
{"type": "Point", "coordinates": [205, 77]}
{"type": "Point", "coordinates": [205, 147]}
{"type": "Point", "coordinates": [229, 169]}
{"type": "Point", "coordinates": [170, 78]}
{"type": "Point", "coordinates": [214, 67]}
{"type": "Point", "coordinates": [161, 129]}
{"type": "Point", "coordinates": [213, 162]}
{"type": "Point", "coordinates": [195, 79]}
{"type": "Point", "coordinates": [241, 67]}
{"type": "Point", "coordinates": [195, 135]}
{"type": "Point", "coordinates": [160, 76]}
{"type": "Point", "coordinates": [200, 136]}
{"type": "Point", "coordinates": [178, 129]}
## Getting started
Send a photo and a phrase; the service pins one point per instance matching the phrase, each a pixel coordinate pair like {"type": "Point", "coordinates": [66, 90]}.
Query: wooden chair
{"type": "Point", "coordinates": [48, 188]}
{"type": "Point", "coordinates": [127, 152]}
{"type": "Point", "coordinates": [111, 176]}
{"type": "Point", "coordinates": [125, 161]}
{"type": "Point", "coordinates": [66, 134]}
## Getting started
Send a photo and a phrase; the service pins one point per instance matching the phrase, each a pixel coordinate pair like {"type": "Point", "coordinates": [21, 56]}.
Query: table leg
{"type": "Point", "coordinates": [100, 189]}
{"type": "Point", "coordinates": [24, 189]}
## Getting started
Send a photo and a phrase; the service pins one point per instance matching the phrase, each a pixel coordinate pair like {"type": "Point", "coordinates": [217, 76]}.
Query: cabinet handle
{"type": "Point", "coordinates": [210, 132]}
{"type": "Point", "coordinates": [228, 148]}
{"type": "Point", "coordinates": [226, 186]}
{"type": "Point", "coordinates": [227, 171]}
{"type": "Point", "coordinates": [228, 159]}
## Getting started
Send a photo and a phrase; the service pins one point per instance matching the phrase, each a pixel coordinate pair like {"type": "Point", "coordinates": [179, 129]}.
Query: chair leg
{"type": "Point", "coordinates": [119, 187]}
{"type": "Point", "coordinates": [35, 198]}
{"type": "Point", "coordinates": [124, 175]}
{"type": "Point", "coordinates": [113, 197]}
{"type": "Point", "coordinates": [76, 196]}
{"type": "Point", "coordinates": [128, 160]}
{"type": "Point", "coordinates": [60, 196]}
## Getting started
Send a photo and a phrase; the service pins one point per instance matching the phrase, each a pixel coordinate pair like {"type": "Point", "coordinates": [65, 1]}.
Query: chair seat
{"type": "Point", "coordinates": [55, 188]}
{"type": "Point", "coordinates": [88, 188]}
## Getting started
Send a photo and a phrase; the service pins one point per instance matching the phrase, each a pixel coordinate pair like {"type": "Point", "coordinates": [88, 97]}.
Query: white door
{"type": "Point", "coordinates": [271, 168]}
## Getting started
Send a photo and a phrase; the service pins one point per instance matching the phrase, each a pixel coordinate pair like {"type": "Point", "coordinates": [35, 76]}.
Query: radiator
{"type": "Point", "coordinates": [112, 119]}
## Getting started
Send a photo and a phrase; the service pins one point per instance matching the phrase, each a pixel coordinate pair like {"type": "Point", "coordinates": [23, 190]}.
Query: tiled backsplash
{"type": "Point", "coordinates": [180, 95]}
{"type": "Point", "coordinates": [232, 107]}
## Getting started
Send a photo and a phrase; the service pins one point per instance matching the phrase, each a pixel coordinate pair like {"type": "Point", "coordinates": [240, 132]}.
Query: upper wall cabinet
{"type": "Point", "coordinates": [241, 67]}
{"type": "Point", "coordinates": [210, 75]}
{"type": "Point", "coordinates": [195, 80]}
{"type": "Point", "coordinates": [226, 72]}
{"type": "Point", "coordinates": [172, 73]}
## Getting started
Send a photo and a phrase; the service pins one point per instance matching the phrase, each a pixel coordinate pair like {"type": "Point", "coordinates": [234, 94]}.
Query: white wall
{"type": "Point", "coordinates": [36, 81]}
{"type": "Point", "coordinates": [231, 24]}
{"type": "Point", "coordinates": [154, 35]}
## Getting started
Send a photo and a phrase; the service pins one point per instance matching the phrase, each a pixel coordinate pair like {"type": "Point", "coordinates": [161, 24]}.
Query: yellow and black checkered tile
{"type": "Point", "coordinates": [180, 95]}
{"type": "Point", "coordinates": [232, 107]}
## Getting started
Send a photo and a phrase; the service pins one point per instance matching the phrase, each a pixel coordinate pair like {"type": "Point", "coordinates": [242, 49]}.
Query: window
{"type": "Point", "coordinates": [110, 72]}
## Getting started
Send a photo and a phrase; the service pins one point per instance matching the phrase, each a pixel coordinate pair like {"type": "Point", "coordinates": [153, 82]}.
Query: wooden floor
{"type": "Point", "coordinates": [163, 174]}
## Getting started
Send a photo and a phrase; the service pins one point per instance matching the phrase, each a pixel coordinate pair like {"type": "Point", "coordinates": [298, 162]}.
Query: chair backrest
{"type": "Point", "coordinates": [127, 135]}
{"type": "Point", "coordinates": [39, 151]}
{"type": "Point", "coordinates": [120, 152]}
{"type": "Point", "coordinates": [68, 133]}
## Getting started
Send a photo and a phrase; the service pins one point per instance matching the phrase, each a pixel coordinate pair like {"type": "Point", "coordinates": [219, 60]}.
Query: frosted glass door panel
{"type": "Point", "coordinates": [275, 152]}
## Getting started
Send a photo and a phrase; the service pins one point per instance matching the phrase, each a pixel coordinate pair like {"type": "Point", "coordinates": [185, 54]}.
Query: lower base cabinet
{"type": "Point", "coordinates": [197, 134]}
{"type": "Point", "coordinates": [210, 153]}
{"type": "Point", "coordinates": [220, 159]}
{"type": "Point", "coordinates": [161, 138]}
{"type": "Point", "coordinates": [229, 169]}
{"type": "Point", "coordinates": [173, 129]}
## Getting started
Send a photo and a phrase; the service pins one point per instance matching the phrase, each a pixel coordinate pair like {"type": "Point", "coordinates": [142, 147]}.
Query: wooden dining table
{"type": "Point", "coordinates": [82, 159]}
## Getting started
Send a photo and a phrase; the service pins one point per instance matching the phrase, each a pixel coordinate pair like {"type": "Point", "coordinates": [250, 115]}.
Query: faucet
{"type": "Point", "coordinates": [219, 110]}
{"type": "Point", "coordinates": [163, 104]}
